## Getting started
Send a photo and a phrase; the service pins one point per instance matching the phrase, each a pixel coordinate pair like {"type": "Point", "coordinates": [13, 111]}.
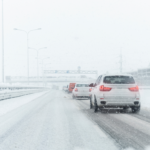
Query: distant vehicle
{"type": "Point", "coordinates": [71, 87]}
{"type": "Point", "coordinates": [115, 91]}
{"type": "Point", "coordinates": [65, 88]}
{"type": "Point", "coordinates": [81, 90]}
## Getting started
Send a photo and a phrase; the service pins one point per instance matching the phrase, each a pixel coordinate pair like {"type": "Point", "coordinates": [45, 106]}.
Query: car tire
{"type": "Point", "coordinates": [95, 106]}
{"type": "Point", "coordinates": [91, 105]}
{"type": "Point", "coordinates": [135, 109]}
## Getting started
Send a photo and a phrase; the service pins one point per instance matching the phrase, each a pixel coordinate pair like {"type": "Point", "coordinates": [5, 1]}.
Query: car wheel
{"type": "Point", "coordinates": [95, 106]}
{"type": "Point", "coordinates": [91, 105]}
{"type": "Point", "coordinates": [135, 109]}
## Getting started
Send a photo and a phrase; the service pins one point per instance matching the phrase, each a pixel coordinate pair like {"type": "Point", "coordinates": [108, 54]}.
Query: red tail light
{"type": "Point", "coordinates": [134, 89]}
{"type": "Point", "coordinates": [90, 90]}
{"type": "Point", "coordinates": [102, 88]}
{"type": "Point", "coordinates": [76, 90]}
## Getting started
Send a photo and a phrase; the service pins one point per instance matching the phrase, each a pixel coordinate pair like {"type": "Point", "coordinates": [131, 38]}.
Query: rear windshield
{"type": "Point", "coordinates": [82, 85]}
{"type": "Point", "coordinates": [119, 80]}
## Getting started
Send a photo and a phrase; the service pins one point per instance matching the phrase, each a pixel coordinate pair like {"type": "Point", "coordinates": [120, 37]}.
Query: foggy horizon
{"type": "Point", "coordinates": [78, 33]}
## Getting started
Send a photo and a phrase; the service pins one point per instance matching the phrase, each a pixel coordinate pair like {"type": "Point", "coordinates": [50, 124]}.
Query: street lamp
{"type": "Point", "coordinates": [27, 32]}
{"type": "Point", "coordinates": [37, 50]}
{"type": "Point", "coordinates": [2, 45]}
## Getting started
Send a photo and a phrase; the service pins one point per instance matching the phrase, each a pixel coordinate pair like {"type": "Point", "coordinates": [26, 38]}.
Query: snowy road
{"type": "Point", "coordinates": [54, 121]}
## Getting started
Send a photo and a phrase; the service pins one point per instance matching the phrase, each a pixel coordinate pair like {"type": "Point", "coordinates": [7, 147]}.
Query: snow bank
{"type": "Point", "coordinates": [11, 104]}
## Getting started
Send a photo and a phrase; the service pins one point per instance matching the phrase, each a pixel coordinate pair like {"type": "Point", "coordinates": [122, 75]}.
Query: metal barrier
{"type": "Point", "coordinates": [13, 91]}
{"type": "Point", "coordinates": [4, 87]}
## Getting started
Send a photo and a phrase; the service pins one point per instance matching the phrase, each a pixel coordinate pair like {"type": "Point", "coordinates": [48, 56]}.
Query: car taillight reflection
{"type": "Point", "coordinates": [76, 90]}
{"type": "Point", "coordinates": [102, 88]}
{"type": "Point", "coordinates": [134, 89]}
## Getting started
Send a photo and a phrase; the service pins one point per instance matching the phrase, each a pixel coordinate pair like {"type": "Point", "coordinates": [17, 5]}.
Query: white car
{"type": "Point", "coordinates": [115, 91]}
{"type": "Point", "coordinates": [81, 90]}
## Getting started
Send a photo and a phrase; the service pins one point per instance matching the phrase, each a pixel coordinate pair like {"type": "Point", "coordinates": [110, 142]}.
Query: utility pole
{"type": "Point", "coordinates": [2, 44]}
{"type": "Point", "coordinates": [121, 60]}
{"type": "Point", "coordinates": [27, 32]}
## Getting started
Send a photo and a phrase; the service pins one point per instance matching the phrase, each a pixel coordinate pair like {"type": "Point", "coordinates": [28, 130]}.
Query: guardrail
{"type": "Point", "coordinates": [7, 92]}
{"type": "Point", "coordinates": [10, 87]}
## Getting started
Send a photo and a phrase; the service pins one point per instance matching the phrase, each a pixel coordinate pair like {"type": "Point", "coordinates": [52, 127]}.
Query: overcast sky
{"type": "Point", "coordinates": [86, 33]}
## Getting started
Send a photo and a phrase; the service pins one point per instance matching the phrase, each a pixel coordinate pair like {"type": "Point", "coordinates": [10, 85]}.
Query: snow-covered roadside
{"type": "Point", "coordinates": [11, 104]}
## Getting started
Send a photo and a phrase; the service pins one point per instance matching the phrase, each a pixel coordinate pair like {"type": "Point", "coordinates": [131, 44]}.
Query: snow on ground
{"type": "Point", "coordinates": [56, 121]}
{"type": "Point", "coordinates": [51, 122]}
{"type": "Point", "coordinates": [13, 103]}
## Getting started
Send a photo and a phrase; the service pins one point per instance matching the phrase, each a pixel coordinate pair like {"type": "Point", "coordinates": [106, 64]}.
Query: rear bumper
{"type": "Point", "coordinates": [105, 103]}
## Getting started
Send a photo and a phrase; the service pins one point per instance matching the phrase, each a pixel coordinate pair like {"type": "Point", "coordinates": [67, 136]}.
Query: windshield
{"type": "Point", "coordinates": [119, 80]}
{"type": "Point", "coordinates": [82, 85]}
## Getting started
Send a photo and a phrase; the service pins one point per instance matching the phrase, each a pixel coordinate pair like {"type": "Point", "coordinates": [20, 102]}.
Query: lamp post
{"type": "Point", "coordinates": [37, 50]}
{"type": "Point", "coordinates": [27, 32]}
{"type": "Point", "coordinates": [2, 45]}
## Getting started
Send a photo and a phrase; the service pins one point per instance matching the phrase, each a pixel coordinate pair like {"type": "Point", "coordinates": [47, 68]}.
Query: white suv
{"type": "Point", "coordinates": [113, 91]}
